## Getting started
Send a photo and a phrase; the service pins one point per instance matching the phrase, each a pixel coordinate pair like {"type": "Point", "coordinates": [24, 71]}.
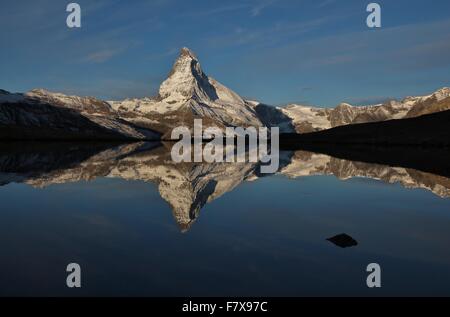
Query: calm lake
{"type": "Point", "coordinates": [139, 224]}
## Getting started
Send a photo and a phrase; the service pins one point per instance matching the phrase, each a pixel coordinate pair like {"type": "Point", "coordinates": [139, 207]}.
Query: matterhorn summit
{"type": "Point", "coordinates": [186, 81]}
{"type": "Point", "coordinates": [186, 94]}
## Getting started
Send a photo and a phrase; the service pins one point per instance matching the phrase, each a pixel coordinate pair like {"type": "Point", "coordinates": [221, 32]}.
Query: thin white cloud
{"type": "Point", "coordinates": [325, 3]}
{"type": "Point", "coordinates": [214, 11]}
{"type": "Point", "coordinates": [263, 4]}
{"type": "Point", "coordinates": [102, 55]}
{"type": "Point", "coordinates": [265, 36]}
{"type": "Point", "coordinates": [401, 48]}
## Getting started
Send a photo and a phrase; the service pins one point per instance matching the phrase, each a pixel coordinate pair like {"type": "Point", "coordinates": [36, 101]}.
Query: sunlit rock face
{"type": "Point", "coordinates": [186, 187]}
{"type": "Point", "coordinates": [186, 80]}
{"type": "Point", "coordinates": [186, 94]}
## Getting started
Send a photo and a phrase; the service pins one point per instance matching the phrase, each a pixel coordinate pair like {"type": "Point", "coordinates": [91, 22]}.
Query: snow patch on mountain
{"type": "Point", "coordinates": [90, 105]}
{"type": "Point", "coordinates": [317, 118]}
{"type": "Point", "coordinates": [309, 119]}
{"type": "Point", "coordinates": [45, 110]}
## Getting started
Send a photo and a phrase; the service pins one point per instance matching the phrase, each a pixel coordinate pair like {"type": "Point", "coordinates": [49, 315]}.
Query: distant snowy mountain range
{"type": "Point", "coordinates": [186, 94]}
{"type": "Point", "coordinates": [303, 119]}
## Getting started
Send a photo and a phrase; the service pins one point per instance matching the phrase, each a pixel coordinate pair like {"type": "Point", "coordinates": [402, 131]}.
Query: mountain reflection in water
{"type": "Point", "coordinates": [186, 187]}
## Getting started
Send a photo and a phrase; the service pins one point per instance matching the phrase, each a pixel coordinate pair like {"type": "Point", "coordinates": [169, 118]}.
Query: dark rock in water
{"type": "Point", "coordinates": [343, 240]}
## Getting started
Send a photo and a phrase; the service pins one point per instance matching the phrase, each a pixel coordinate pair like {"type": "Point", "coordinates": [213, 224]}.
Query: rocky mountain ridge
{"type": "Point", "coordinates": [187, 93]}
{"type": "Point", "coordinates": [40, 114]}
{"type": "Point", "coordinates": [304, 119]}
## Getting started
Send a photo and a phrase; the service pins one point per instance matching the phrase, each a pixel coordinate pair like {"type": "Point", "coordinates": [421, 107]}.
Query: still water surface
{"type": "Point", "coordinates": [142, 225]}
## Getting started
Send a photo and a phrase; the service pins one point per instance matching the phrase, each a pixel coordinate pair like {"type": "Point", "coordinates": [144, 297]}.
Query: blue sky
{"type": "Point", "coordinates": [277, 51]}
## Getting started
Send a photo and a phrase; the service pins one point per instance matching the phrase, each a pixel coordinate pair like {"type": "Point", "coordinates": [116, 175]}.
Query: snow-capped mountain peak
{"type": "Point", "coordinates": [187, 93]}
{"type": "Point", "coordinates": [186, 80]}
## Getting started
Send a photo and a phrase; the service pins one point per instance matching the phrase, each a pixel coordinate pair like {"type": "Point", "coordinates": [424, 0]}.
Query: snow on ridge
{"type": "Point", "coordinates": [308, 119]}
